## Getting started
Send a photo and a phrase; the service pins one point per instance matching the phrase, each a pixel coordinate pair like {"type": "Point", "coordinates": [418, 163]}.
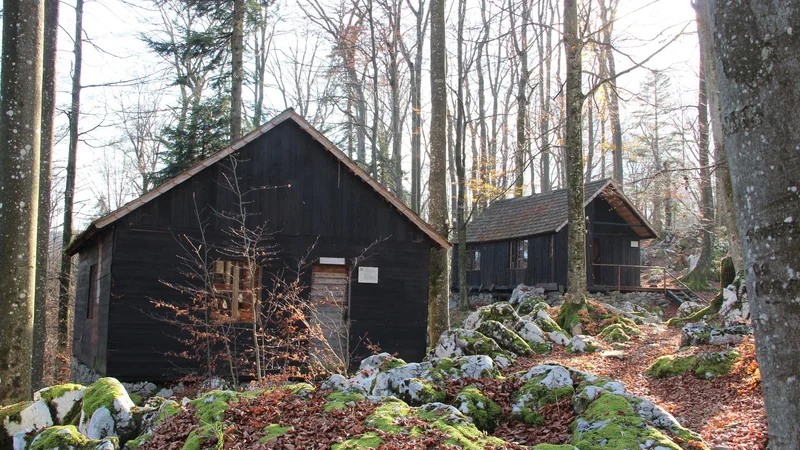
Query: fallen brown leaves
{"type": "Point", "coordinates": [727, 411]}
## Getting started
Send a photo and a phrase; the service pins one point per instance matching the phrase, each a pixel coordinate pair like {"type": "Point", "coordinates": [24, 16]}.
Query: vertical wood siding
{"type": "Point", "coordinates": [326, 204]}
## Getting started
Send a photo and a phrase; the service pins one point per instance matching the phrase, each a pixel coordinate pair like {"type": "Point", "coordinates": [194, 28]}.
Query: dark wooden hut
{"type": "Point", "coordinates": [524, 241]}
{"type": "Point", "coordinates": [328, 203]}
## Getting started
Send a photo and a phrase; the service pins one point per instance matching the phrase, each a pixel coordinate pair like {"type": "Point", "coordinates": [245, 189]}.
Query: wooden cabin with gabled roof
{"type": "Point", "coordinates": [523, 240]}
{"type": "Point", "coordinates": [329, 206]}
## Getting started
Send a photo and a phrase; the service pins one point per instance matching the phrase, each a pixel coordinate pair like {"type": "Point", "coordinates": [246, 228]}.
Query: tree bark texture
{"type": "Point", "coordinates": [576, 271]}
{"type": "Point", "coordinates": [45, 182]}
{"type": "Point", "coordinates": [757, 50]}
{"type": "Point", "coordinates": [237, 69]}
{"type": "Point", "coordinates": [20, 139]}
{"type": "Point", "coordinates": [438, 301]}
{"type": "Point", "coordinates": [65, 276]}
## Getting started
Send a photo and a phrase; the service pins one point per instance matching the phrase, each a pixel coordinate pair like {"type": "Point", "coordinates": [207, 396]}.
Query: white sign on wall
{"type": "Point", "coordinates": [331, 261]}
{"type": "Point", "coordinates": [635, 244]}
{"type": "Point", "coordinates": [368, 275]}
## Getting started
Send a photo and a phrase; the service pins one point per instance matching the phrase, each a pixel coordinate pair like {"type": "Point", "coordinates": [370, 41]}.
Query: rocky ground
{"type": "Point", "coordinates": [508, 377]}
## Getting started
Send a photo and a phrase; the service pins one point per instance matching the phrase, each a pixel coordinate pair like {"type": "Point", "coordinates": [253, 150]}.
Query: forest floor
{"type": "Point", "coordinates": [727, 411]}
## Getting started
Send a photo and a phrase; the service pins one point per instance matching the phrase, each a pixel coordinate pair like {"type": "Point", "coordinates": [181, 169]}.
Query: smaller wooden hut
{"type": "Point", "coordinates": [524, 241]}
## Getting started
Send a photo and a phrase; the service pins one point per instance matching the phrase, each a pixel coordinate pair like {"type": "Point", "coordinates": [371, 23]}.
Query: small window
{"type": "Point", "coordinates": [518, 254]}
{"type": "Point", "coordinates": [473, 260]}
{"type": "Point", "coordinates": [92, 295]}
{"type": "Point", "coordinates": [237, 287]}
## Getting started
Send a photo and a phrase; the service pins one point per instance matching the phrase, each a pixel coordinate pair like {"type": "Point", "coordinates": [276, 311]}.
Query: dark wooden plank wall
{"type": "Point", "coordinates": [90, 336]}
{"type": "Point", "coordinates": [326, 204]}
{"type": "Point", "coordinates": [495, 268]}
{"type": "Point", "coordinates": [615, 246]}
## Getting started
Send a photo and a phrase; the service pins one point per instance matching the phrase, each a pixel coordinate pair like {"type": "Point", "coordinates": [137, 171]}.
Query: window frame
{"type": "Point", "coordinates": [473, 260]}
{"type": "Point", "coordinates": [518, 254]}
{"type": "Point", "coordinates": [227, 284]}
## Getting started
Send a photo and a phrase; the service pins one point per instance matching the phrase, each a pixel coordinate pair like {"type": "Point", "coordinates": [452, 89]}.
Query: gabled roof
{"type": "Point", "coordinates": [547, 213]}
{"type": "Point", "coordinates": [288, 114]}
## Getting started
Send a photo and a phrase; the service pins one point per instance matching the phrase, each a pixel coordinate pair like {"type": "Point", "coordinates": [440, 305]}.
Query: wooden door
{"type": "Point", "coordinates": [329, 299]}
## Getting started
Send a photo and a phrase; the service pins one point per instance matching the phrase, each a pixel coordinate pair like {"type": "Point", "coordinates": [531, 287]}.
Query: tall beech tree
{"type": "Point", "coordinates": [757, 48]}
{"type": "Point", "coordinates": [438, 298]}
{"type": "Point", "coordinates": [573, 149]}
{"type": "Point", "coordinates": [20, 140]}
{"type": "Point", "coordinates": [49, 57]}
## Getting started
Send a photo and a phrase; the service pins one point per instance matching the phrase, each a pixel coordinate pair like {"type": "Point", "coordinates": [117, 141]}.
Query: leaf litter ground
{"type": "Point", "coordinates": [728, 411]}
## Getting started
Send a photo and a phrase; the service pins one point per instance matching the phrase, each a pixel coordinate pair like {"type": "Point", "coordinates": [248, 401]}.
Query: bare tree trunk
{"type": "Point", "coordinates": [375, 101]}
{"type": "Point", "coordinates": [545, 45]}
{"type": "Point", "coordinates": [394, 83]}
{"type": "Point", "coordinates": [590, 130]}
{"type": "Point", "coordinates": [700, 273]}
{"type": "Point", "coordinates": [20, 142]}
{"type": "Point", "coordinates": [438, 301]}
{"type": "Point", "coordinates": [758, 65]}
{"type": "Point", "coordinates": [607, 15]}
{"type": "Point", "coordinates": [460, 161]}
{"type": "Point", "coordinates": [65, 276]}
{"type": "Point", "coordinates": [49, 56]}
{"type": "Point", "coordinates": [263, 42]}
{"type": "Point", "coordinates": [726, 213]}
{"type": "Point", "coordinates": [237, 69]}
{"type": "Point", "coordinates": [481, 200]}
{"type": "Point", "coordinates": [521, 45]}
{"type": "Point", "coordinates": [415, 73]}
{"type": "Point", "coordinates": [576, 273]}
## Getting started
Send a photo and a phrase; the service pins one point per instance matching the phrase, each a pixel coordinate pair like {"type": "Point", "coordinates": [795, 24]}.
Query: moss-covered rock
{"type": "Point", "coordinates": [501, 312]}
{"type": "Point", "coordinates": [671, 365]}
{"type": "Point", "coordinates": [505, 338]}
{"type": "Point", "coordinates": [342, 400]}
{"type": "Point", "coordinates": [460, 342]}
{"type": "Point", "coordinates": [533, 335]}
{"type": "Point", "coordinates": [546, 384]}
{"type": "Point", "coordinates": [531, 305]}
{"type": "Point", "coordinates": [715, 364]}
{"type": "Point", "coordinates": [23, 416]}
{"type": "Point", "coordinates": [417, 391]}
{"type": "Point", "coordinates": [391, 417]}
{"type": "Point", "coordinates": [68, 437]}
{"type": "Point", "coordinates": [483, 411]}
{"type": "Point", "coordinates": [551, 329]}
{"type": "Point", "coordinates": [614, 333]}
{"type": "Point", "coordinates": [583, 344]}
{"type": "Point", "coordinates": [107, 410]}
{"type": "Point", "coordinates": [610, 422]}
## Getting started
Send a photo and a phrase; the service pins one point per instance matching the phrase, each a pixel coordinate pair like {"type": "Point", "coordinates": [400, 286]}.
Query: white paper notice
{"type": "Point", "coordinates": [368, 275]}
